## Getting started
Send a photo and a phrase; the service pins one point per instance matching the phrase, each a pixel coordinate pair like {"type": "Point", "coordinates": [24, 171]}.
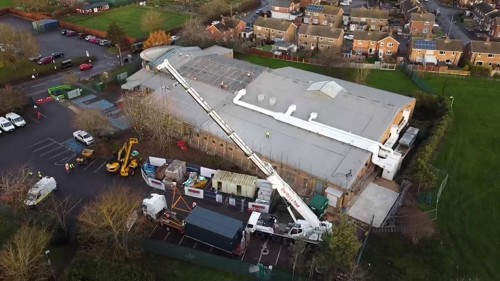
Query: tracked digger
{"type": "Point", "coordinates": [124, 161]}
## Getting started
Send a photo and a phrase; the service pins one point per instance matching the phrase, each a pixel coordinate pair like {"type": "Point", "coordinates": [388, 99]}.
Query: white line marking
{"type": "Point", "coordinates": [40, 142]}
{"type": "Point", "coordinates": [36, 85]}
{"type": "Point", "coordinates": [181, 239]}
{"type": "Point", "coordinates": [67, 150]}
{"type": "Point", "coordinates": [90, 164]}
{"type": "Point", "coordinates": [95, 171]}
{"type": "Point", "coordinates": [152, 231]}
{"type": "Point", "coordinates": [165, 239]}
{"type": "Point", "coordinates": [34, 119]}
{"type": "Point", "coordinates": [195, 243]}
{"type": "Point", "coordinates": [60, 78]}
{"type": "Point", "coordinates": [52, 150]}
{"type": "Point", "coordinates": [278, 257]}
{"type": "Point", "coordinates": [40, 148]}
{"type": "Point", "coordinates": [60, 162]}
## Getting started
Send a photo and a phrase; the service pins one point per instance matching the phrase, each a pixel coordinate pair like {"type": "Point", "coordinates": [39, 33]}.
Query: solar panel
{"type": "Point", "coordinates": [314, 8]}
{"type": "Point", "coordinates": [425, 44]}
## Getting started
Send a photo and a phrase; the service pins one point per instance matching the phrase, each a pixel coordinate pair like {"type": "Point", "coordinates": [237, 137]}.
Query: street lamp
{"type": "Point", "coordinates": [452, 100]}
{"type": "Point", "coordinates": [119, 54]}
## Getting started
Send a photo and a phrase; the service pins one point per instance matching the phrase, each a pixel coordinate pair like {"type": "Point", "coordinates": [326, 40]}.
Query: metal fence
{"type": "Point", "coordinates": [213, 261]}
{"type": "Point", "coordinates": [413, 75]}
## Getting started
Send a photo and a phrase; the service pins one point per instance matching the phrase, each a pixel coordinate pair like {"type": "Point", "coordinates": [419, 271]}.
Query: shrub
{"type": "Point", "coordinates": [480, 71]}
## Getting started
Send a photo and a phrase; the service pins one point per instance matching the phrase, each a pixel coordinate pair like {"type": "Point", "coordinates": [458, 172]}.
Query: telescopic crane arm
{"type": "Point", "coordinates": [272, 176]}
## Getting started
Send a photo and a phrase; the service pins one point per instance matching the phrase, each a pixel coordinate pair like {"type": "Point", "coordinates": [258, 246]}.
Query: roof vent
{"type": "Point", "coordinates": [272, 101]}
{"type": "Point", "coordinates": [261, 97]}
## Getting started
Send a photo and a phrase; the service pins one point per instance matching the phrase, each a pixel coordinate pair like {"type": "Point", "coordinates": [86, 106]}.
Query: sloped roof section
{"type": "Point", "coordinates": [328, 88]}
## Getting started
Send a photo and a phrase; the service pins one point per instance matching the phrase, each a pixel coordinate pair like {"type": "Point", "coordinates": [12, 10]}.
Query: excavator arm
{"type": "Point", "coordinates": [272, 176]}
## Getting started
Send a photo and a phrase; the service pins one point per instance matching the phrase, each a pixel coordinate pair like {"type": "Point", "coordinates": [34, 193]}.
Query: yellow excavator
{"type": "Point", "coordinates": [123, 162]}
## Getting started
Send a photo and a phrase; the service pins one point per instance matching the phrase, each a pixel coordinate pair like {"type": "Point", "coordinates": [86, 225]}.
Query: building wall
{"type": "Point", "coordinates": [265, 33]}
{"type": "Point", "coordinates": [495, 30]}
{"type": "Point", "coordinates": [371, 24]}
{"type": "Point", "coordinates": [312, 42]}
{"type": "Point", "coordinates": [323, 19]}
{"type": "Point", "coordinates": [227, 35]}
{"type": "Point", "coordinates": [485, 59]}
{"type": "Point", "coordinates": [453, 56]}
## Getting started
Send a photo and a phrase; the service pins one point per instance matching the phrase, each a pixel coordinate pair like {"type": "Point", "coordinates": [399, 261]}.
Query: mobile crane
{"type": "Point", "coordinates": [311, 227]}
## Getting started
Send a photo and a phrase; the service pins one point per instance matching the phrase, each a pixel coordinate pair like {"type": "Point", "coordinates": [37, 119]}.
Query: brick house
{"type": "Point", "coordinates": [274, 29]}
{"type": "Point", "coordinates": [377, 43]}
{"type": "Point", "coordinates": [489, 19]}
{"type": "Point", "coordinates": [227, 29]}
{"type": "Point", "coordinates": [317, 37]}
{"type": "Point", "coordinates": [369, 19]}
{"type": "Point", "coordinates": [483, 52]}
{"type": "Point", "coordinates": [304, 3]}
{"type": "Point", "coordinates": [434, 51]}
{"type": "Point", "coordinates": [495, 28]}
{"type": "Point", "coordinates": [323, 15]}
{"type": "Point", "coordinates": [421, 24]}
{"type": "Point", "coordinates": [481, 11]}
{"type": "Point", "coordinates": [285, 9]}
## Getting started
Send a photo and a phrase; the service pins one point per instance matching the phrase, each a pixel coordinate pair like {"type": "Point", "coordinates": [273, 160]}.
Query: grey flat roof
{"type": "Point", "coordinates": [361, 110]}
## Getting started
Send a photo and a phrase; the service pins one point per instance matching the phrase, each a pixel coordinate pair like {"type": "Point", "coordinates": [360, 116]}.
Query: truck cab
{"type": "Point", "coordinates": [154, 205]}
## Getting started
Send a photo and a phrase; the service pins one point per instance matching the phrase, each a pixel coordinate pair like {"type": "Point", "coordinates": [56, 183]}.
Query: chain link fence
{"type": "Point", "coordinates": [413, 75]}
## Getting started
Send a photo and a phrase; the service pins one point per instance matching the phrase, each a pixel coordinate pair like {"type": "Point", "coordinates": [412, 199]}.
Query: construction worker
{"type": "Point", "coordinates": [71, 166]}
{"type": "Point", "coordinates": [268, 134]}
{"type": "Point", "coordinates": [66, 167]}
{"type": "Point", "coordinates": [30, 173]}
{"type": "Point", "coordinates": [193, 205]}
{"type": "Point", "coordinates": [40, 174]}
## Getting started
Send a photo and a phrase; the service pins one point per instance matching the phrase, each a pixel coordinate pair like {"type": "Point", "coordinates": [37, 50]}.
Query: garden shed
{"type": "Point", "coordinates": [234, 183]}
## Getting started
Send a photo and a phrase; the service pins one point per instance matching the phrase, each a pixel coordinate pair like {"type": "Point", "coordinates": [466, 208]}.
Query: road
{"type": "Point", "coordinates": [71, 46]}
{"type": "Point", "coordinates": [448, 21]}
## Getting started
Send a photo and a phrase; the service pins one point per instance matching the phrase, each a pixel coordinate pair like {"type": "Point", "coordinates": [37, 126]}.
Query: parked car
{"type": "Point", "coordinates": [57, 55]}
{"type": "Point", "coordinates": [83, 137]}
{"type": "Point", "coordinates": [86, 66]}
{"type": "Point", "coordinates": [174, 38]}
{"type": "Point", "coordinates": [88, 37]}
{"type": "Point", "coordinates": [136, 47]}
{"type": "Point", "coordinates": [94, 40]}
{"type": "Point", "coordinates": [349, 37]}
{"type": "Point", "coordinates": [35, 58]}
{"type": "Point", "coordinates": [15, 119]}
{"type": "Point", "coordinates": [64, 31]}
{"type": "Point", "coordinates": [345, 3]}
{"type": "Point", "coordinates": [71, 33]}
{"type": "Point", "coordinates": [5, 125]}
{"type": "Point", "coordinates": [104, 42]}
{"type": "Point", "coordinates": [45, 60]}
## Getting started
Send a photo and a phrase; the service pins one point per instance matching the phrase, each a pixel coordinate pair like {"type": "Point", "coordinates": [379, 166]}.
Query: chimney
{"type": "Point", "coordinates": [487, 41]}
{"type": "Point", "coordinates": [447, 39]}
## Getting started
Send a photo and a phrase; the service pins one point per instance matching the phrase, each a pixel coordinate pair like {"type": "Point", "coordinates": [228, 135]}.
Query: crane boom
{"type": "Point", "coordinates": [272, 176]}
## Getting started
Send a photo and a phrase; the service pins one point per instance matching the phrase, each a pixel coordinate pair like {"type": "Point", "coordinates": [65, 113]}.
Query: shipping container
{"type": "Point", "coordinates": [216, 230]}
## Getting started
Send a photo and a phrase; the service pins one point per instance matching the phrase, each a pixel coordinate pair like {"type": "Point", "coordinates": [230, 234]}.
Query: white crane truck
{"type": "Point", "coordinates": [311, 228]}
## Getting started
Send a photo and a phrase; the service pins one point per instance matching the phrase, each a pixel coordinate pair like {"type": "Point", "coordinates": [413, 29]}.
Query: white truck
{"type": "Point", "coordinates": [155, 208]}
{"type": "Point", "coordinates": [43, 188]}
{"type": "Point", "coordinates": [311, 227]}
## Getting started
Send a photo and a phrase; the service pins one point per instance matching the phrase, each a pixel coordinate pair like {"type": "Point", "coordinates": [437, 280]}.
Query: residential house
{"type": "Point", "coordinates": [489, 19]}
{"type": "Point", "coordinates": [304, 3]}
{"type": "Point", "coordinates": [226, 29]}
{"type": "Point", "coordinates": [369, 19]}
{"type": "Point", "coordinates": [285, 9]}
{"type": "Point", "coordinates": [323, 15]}
{"type": "Point", "coordinates": [434, 51]}
{"type": "Point", "coordinates": [481, 10]}
{"type": "Point", "coordinates": [90, 8]}
{"type": "Point", "coordinates": [474, 2]}
{"type": "Point", "coordinates": [483, 52]}
{"type": "Point", "coordinates": [274, 29]}
{"type": "Point", "coordinates": [495, 28]}
{"type": "Point", "coordinates": [377, 43]}
{"type": "Point", "coordinates": [318, 37]}
{"type": "Point", "coordinates": [421, 24]}
{"type": "Point", "coordinates": [410, 6]}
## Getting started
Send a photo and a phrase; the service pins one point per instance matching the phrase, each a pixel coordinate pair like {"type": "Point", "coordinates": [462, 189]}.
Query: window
{"type": "Point", "coordinates": [491, 55]}
{"type": "Point", "coordinates": [219, 185]}
{"type": "Point", "coordinates": [442, 52]}
{"type": "Point", "coordinates": [390, 44]}
{"type": "Point", "coordinates": [238, 189]}
{"type": "Point", "coordinates": [305, 36]}
{"type": "Point", "coordinates": [372, 43]}
{"type": "Point", "coordinates": [389, 53]}
{"type": "Point", "coordinates": [205, 138]}
{"type": "Point", "coordinates": [230, 149]}
{"type": "Point", "coordinates": [453, 53]}
{"type": "Point", "coordinates": [382, 44]}
{"type": "Point", "coordinates": [197, 135]}
{"type": "Point", "coordinates": [321, 39]}
{"type": "Point", "coordinates": [213, 142]}
{"type": "Point", "coordinates": [221, 145]}
{"type": "Point", "coordinates": [426, 30]}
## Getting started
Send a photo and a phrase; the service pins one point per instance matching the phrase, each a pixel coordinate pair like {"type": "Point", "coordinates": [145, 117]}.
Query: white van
{"type": "Point", "coordinates": [43, 188]}
{"type": "Point", "coordinates": [15, 119]}
{"type": "Point", "coordinates": [6, 125]}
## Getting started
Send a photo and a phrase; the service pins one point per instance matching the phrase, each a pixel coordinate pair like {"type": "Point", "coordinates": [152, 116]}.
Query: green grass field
{"type": "Point", "coordinates": [5, 4]}
{"type": "Point", "coordinates": [128, 17]}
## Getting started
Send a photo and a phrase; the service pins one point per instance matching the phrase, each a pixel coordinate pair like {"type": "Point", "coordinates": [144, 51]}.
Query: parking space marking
{"type": "Point", "coordinates": [41, 148]}
{"type": "Point", "coordinates": [278, 257]}
{"type": "Point", "coordinates": [49, 140]}
{"type": "Point", "coordinates": [152, 231]}
{"type": "Point", "coordinates": [57, 148]}
{"type": "Point", "coordinates": [166, 236]}
{"type": "Point", "coordinates": [95, 171]}
{"type": "Point", "coordinates": [62, 162]}
{"type": "Point", "coordinates": [36, 85]}
{"type": "Point", "coordinates": [182, 239]}
{"type": "Point", "coordinates": [64, 152]}
{"type": "Point", "coordinates": [90, 164]}
{"type": "Point", "coordinates": [195, 243]}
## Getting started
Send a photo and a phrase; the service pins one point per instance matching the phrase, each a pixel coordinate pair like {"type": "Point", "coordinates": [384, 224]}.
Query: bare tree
{"type": "Point", "coordinates": [15, 185]}
{"type": "Point", "coordinates": [93, 121]}
{"type": "Point", "coordinates": [135, 110]}
{"type": "Point", "coordinates": [419, 225]}
{"type": "Point", "coordinates": [23, 258]}
{"type": "Point", "coordinates": [16, 45]}
{"type": "Point", "coordinates": [356, 273]}
{"type": "Point", "coordinates": [60, 210]}
{"type": "Point", "coordinates": [33, 5]}
{"type": "Point", "coordinates": [361, 74]}
{"type": "Point", "coordinates": [11, 98]}
{"type": "Point", "coordinates": [332, 57]}
{"type": "Point", "coordinates": [152, 20]}
{"type": "Point", "coordinates": [299, 251]}
{"type": "Point", "coordinates": [194, 33]}
{"type": "Point", "coordinates": [69, 3]}
{"type": "Point", "coordinates": [214, 9]}
{"type": "Point", "coordinates": [105, 224]}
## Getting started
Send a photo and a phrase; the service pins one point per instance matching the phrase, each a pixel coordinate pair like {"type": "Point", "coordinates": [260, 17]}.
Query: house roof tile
{"type": "Point", "coordinates": [423, 17]}
{"type": "Point", "coordinates": [370, 13]}
{"type": "Point", "coordinates": [370, 35]}
{"type": "Point", "coordinates": [485, 47]}
{"type": "Point", "coordinates": [321, 31]}
{"type": "Point", "coordinates": [278, 24]}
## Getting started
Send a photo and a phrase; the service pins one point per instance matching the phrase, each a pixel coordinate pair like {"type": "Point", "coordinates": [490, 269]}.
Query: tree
{"type": "Point", "coordinates": [135, 111]}
{"type": "Point", "coordinates": [116, 34]}
{"type": "Point", "coordinates": [93, 121]}
{"type": "Point", "coordinates": [105, 224]}
{"type": "Point", "coordinates": [23, 258]}
{"type": "Point", "coordinates": [418, 224]}
{"type": "Point", "coordinates": [214, 9]}
{"type": "Point", "coordinates": [16, 45]}
{"type": "Point", "coordinates": [60, 211]}
{"type": "Point", "coordinates": [338, 249]}
{"type": "Point", "coordinates": [33, 5]}
{"type": "Point", "coordinates": [361, 74]}
{"type": "Point", "coordinates": [14, 186]}
{"type": "Point", "coordinates": [152, 20]}
{"type": "Point", "coordinates": [332, 57]}
{"type": "Point", "coordinates": [11, 99]}
{"type": "Point", "coordinates": [157, 38]}
{"type": "Point", "coordinates": [194, 33]}
{"type": "Point", "coordinates": [299, 251]}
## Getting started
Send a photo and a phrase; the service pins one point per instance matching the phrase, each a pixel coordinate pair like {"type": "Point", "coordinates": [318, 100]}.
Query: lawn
{"type": "Point", "coordinates": [6, 4]}
{"type": "Point", "coordinates": [128, 17]}
{"type": "Point", "coordinates": [468, 242]}
{"type": "Point", "coordinates": [382, 79]}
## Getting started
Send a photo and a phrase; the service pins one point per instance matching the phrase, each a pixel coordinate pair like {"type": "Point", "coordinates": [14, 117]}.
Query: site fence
{"type": "Point", "coordinates": [217, 262]}
{"type": "Point", "coordinates": [414, 76]}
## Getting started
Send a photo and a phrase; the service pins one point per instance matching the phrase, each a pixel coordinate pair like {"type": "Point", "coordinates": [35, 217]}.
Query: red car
{"type": "Point", "coordinates": [85, 66]}
{"type": "Point", "coordinates": [45, 60]}
{"type": "Point", "coordinates": [94, 40]}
